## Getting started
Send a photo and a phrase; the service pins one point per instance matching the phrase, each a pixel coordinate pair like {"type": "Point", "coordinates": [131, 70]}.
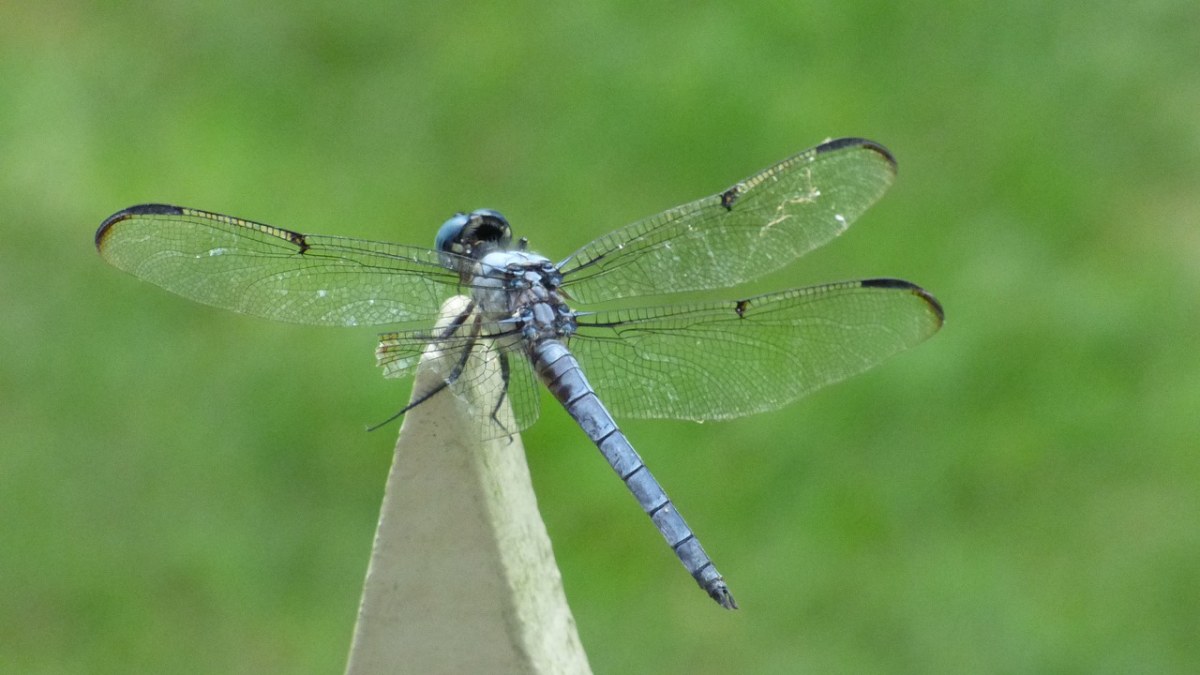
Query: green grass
{"type": "Point", "coordinates": [187, 490]}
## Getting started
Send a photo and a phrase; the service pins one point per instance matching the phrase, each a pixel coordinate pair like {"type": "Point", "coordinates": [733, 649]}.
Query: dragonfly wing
{"type": "Point", "coordinates": [728, 359]}
{"type": "Point", "coordinates": [270, 272]}
{"type": "Point", "coordinates": [757, 226]}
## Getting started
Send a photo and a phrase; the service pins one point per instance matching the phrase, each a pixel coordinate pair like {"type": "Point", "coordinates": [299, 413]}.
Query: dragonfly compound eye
{"type": "Point", "coordinates": [450, 233]}
{"type": "Point", "coordinates": [474, 234]}
{"type": "Point", "coordinates": [488, 226]}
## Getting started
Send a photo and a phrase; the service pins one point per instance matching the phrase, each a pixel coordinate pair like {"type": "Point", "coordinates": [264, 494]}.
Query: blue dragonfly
{"type": "Point", "coordinates": [522, 316]}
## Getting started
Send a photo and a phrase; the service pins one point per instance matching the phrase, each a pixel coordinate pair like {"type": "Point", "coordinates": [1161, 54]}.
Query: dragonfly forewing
{"type": "Point", "coordinates": [266, 271]}
{"type": "Point", "coordinates": [755, 227]}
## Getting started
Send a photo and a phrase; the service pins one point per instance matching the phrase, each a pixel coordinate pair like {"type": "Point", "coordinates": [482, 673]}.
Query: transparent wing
{"type": "Point", "coordinates": [266, 271]}
{"type": "Point", "coordinates": [754, 227]}
{"type": "Point", "coordinates": [728, 359]}
{"type": "Point", "coordinates": [467, 357]}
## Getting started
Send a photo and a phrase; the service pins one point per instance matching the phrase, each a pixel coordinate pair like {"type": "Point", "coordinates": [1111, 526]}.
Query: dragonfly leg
{"type": "Point", "coordinates": [454, 373]}
{"type": "Point", "coordinates": [505, 373]}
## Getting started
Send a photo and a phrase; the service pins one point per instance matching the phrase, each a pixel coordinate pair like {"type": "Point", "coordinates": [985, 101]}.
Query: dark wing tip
{"type": "Point", "coordinates": [916, 290]}
{"type": "Point", "coordinates": [139, 210]}
{"type": "Point", "coordinates": [840, 143]}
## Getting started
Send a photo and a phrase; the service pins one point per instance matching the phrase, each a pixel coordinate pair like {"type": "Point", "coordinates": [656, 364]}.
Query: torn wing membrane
{"type": "Point", "coordinates": [757, 226]}
{"type": "Point", "coordinates": [722, 360]}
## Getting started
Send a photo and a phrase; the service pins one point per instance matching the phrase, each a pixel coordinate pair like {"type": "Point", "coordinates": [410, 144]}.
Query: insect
{"type": "Point", "coordinates": [526, 316]}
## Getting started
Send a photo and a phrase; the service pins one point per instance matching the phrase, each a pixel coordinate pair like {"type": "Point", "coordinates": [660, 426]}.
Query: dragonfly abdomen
{"type": "Point", "coordinates": [563, 376]}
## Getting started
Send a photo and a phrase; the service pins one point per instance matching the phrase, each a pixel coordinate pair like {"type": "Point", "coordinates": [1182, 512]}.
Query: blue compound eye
{"type": "Point", "coordinates": [490, 215]}
{"type": "Point", "coordinates": [487, 230]}
{"type": "Point", "coordinates": [450, 232]}
{"type": "Point", "coordinates": [474, 234]}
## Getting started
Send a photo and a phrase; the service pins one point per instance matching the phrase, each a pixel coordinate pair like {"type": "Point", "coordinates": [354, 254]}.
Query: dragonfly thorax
{"type": "Point", "coordinates": [519, 290]}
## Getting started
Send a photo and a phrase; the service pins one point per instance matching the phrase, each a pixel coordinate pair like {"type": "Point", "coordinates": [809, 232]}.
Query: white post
{"type": "Point", "coordinates": [462, 577]}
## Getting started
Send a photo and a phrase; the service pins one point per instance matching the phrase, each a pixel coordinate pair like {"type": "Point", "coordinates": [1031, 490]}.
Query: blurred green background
{"type": "Point", "coordinates": [188, 490]}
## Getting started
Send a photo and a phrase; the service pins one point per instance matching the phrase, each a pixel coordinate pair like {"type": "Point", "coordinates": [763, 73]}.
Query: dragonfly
{"type": "Point", "coordinates": [638, 354]}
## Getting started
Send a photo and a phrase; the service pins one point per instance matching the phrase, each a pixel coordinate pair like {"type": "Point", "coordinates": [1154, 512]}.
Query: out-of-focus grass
{"type": "Point", "coordinates": [183, 489]}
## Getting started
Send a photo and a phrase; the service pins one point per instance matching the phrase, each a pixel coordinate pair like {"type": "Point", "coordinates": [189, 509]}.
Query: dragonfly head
{"type": "Point", "coordinates": [474, 234]}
